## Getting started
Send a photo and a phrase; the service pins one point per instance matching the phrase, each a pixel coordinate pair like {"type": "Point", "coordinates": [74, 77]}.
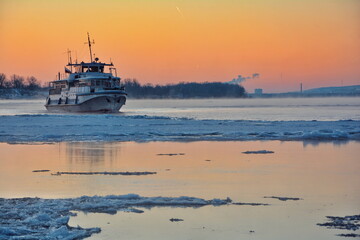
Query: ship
{"type": "Point", "coordinates": [86, 87]}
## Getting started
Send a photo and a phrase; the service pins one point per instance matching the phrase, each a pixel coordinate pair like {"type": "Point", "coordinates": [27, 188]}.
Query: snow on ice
{"type": "Point", "coordinates": [117, 127]}
{"type": "Point", "coordinates": [36, 218]}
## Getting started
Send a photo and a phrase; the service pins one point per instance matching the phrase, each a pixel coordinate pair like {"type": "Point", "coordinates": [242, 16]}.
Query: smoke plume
{"type": "Point", "coordinates": [241, 79]}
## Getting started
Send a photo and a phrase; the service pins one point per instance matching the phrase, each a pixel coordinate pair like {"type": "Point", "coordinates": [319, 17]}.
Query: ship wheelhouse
{"type": "Point", "coordinates": [91, 75]}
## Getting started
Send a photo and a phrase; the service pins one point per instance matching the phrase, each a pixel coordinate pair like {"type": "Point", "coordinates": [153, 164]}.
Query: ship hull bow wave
{"type": "Point", "coordinates": [107, 103]}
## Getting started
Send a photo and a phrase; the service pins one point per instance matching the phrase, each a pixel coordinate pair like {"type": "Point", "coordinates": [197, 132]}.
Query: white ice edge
{"type": "Point", "coordinates": [36, 218]}
{"type": "Point", "coordinates": [59, 128]}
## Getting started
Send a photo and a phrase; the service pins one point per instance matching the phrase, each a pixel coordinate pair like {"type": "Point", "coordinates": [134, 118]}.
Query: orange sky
{"type": "Point", "coordinates": [316, 42]}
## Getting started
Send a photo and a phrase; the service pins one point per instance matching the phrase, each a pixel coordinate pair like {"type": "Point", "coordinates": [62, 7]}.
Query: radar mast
{"type": "Point", "coordinates": [89, 43]}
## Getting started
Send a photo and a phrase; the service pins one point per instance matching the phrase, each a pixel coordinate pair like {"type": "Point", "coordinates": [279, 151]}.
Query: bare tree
{"type": "Point", "coordinates": [2, 80]}
{"type": "Point", "coordinates": [7, 84]}
{"type": "Point", "coordinates": [32, 83]}
{"type": "Point", "coordinates": [17, 81]}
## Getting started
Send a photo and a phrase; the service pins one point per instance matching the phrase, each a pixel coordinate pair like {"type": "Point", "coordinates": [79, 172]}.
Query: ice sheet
{"type": "Point", "coordinates": [57, 128]}
{"type": "Point", "coordinates": [36, 218]}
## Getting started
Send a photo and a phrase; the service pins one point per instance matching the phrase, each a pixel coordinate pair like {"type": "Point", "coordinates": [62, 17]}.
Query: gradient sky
{"type": "Point", "coordinates": [316, 42]}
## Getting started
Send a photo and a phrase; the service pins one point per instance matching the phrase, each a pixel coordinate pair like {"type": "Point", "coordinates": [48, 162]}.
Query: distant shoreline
{"type": "Point", "coordinates": [14, 93]}
{"type": "Point", "coordinates": [18, 94]}
{"type": "Point", "coordinates": [303, 95]}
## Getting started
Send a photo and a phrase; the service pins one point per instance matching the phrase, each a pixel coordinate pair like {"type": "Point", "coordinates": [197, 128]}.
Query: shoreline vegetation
{"type": "Point", "coordinates": [183, 90]}
{"type": "Point", "coordinates": [18, 87]}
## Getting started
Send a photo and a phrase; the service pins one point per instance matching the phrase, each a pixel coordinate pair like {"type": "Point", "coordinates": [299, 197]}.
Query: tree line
{"type": "Point", "coordinates": [19, 82]}
{"type": "Point", "coordinates": [183, 90]}
{"type": "Point", "coordinates": [137, 90]}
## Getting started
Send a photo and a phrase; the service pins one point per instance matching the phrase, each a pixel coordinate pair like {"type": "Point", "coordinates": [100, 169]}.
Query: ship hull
{"type": "Point", "coordinates": [110, 104]}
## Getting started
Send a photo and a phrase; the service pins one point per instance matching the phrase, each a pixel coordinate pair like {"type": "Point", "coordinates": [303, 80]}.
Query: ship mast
{"type": "Point", "coordinates": [89, 42]}
{"type": "Point", "coordinates": [69, 59]}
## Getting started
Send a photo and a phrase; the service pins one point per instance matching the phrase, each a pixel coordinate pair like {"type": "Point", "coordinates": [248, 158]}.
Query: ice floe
{"type": "Point", "coordinates": [284, 198]}
{"type": "Point", "coordinates": [37, 218]}
{"type": "Point", "coordinates": [176, 220]}
{"type": "Point", "coordinates": [354, 235]}
{"type": "Point", "coordinates": [40, 170]}
{"type": "Point", "coordinates": [58, 128]}
{"type": "Point", "coordinates": [171, 154]}
{"type": "Point", "coordinates": [346, 223]}
{"type": "Point", "coordinates": [106, 173]}
{"type": "Point", "coordinates": [258, 152]}
{"type": "Point", "coordinates": [250, 204]}
{"type": "Point", "coordinates": [350, 223]}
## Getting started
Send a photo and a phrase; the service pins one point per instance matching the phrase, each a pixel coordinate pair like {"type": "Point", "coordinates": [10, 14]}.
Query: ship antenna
{"type": "Point", "coordinates": [69, 59]}
{"type": "Point", "coordinates": [89, 42]}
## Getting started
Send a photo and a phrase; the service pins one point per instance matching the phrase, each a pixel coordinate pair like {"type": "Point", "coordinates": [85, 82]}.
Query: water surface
{"type": "Point", "coordinates": [324, 175]}
{"type": "Point", "coordinates": [269, 109]}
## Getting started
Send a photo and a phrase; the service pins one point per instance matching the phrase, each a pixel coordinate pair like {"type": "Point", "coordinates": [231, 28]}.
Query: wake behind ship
{"type": "Point", "coordinates": [89, 88]}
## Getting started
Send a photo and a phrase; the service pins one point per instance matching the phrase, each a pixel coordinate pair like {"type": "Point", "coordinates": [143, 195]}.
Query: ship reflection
{"type": "Point", "coordinates": [90, 152]}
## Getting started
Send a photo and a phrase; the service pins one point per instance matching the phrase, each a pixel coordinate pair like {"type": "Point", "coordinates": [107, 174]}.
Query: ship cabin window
{"type": "Point", "coordinates": [101, 83]}
{"type": "Point", "coordinates": [116, 82]}
{"type": "Point", "coordinates": [85, 69]}
{"type": "Point", "coordinates": [82, 83]}
{"type": "Point", "coordinates": [95, 83]}
{"type": "Point", "coordinates": [107, 84]}
{"type": "Point", "coordinates": [92, 69]}
{"type": "Point", "coordinates": [60, 85]}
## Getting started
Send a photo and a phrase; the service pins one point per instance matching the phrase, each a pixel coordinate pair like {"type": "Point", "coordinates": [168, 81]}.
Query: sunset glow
{"type": "Point", "coordinates": [288, 42]}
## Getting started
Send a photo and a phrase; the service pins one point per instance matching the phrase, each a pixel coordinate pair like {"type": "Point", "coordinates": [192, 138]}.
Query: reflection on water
{"type": "Point", "coordinates": [324, 175]}
{"type": "Point", "coordinates": [315, 143]}
{"type": "Point", "coordinates": [90, 152]}
{"type": "Point", "coordinates": [219, 164]}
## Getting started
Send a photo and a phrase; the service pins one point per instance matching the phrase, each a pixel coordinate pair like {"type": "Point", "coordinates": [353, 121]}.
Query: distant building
{"type": "Point", "coordinates": [258, 92]}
